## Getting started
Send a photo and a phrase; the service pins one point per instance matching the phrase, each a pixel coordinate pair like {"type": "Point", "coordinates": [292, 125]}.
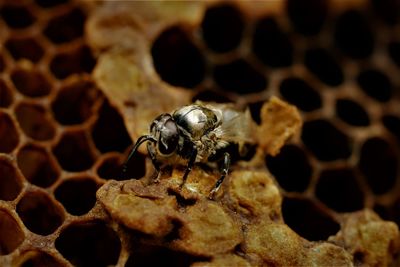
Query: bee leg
{"type": "Point", "coordinates": [224, 171]}
{"type": "Point", "coordinates": [152, 154]}
{"type": "Point", "coordinates": [192, 159]}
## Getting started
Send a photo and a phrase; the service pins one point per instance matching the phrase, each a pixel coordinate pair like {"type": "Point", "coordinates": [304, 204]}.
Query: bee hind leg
{"type": "Point", "coordinates": [224, 171]}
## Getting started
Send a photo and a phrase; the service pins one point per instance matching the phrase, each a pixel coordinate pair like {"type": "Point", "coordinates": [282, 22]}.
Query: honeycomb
{"type": "Point", "coordinates": [79, 80]}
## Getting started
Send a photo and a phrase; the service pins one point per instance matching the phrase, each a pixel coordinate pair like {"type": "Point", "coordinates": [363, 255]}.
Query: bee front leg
{"type": "Point", "coordinates": [192, 159]}
{"type": "Point", "coordinates": [224, 171]}
{"type": "Point", "coordinates": [152, 154]}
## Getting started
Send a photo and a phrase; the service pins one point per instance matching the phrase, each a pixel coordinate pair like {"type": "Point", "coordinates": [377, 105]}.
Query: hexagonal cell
{"type": "Point", "coordinates": [378, 163]}
{"type": "Point", "coordinates": [271, 45]}
{"type": "Point", "coordinates": [353, 34]}
{"type": "Point", "coordinates": [394, 52]}
{"type": "Point", "coordinates": [11, 234]}
{"type": "Point", "coordinates": [307, 16]}
{"type": "Point", "coordinates": [324, 66]}
{"type": "Point", "coordinates": [255, 110]}
{"type": "Point", "coordinates": [16, 16]}
{"type": "Point", "coordinates": [306, 219]}
{"type": "Point", "coordinates": [300, 93]}
{"type": "Point", "coordinates": [6, 96]}
{"type": "Point", "coordinates": [77, 195]}
{"type": "Point", "coordinates": [325, 140]}
{"type": "Point", "coordinates": [339, 190]}
{"type": "Point", "coordinates": [211, 96]}
{"type": "Point", "coordinates": [34, 121]}
{"type": "Point", "coordinates": [75, 61]}
{"type": "Point", "coordinates": [90, 243]}
{"type": "Point", "coordinates": [392, 123]}
{"type": "Point", "coordinates": [27, 48]}
{"type": "Point", "coordinates": [375, 84]}
{"type": "Point", "coordinates": [10, 182]}
{"type": "Point", "coordinates": [240, 77]}
{"type": "Point", "coordinates": [40, 214]}
{"type": "Point", "coordinates": [37, 165]}
{"type": "Point", "coordinates": [176, 59]}
{"type": "Point", "coordinates": [50, 3]}
{"type": "Point", "coordinates": [351, 112]}
{"type": "Point", "coordinates": [8, 134]}
{"type": "Point", "coordinates": [387, 10]}
{"type": "Point", "coordinates": [2, 63]}
{"type": "Point", "coordinates": [111, 168]}
{"type": "Point", "coordinates": [74, 103]}
{"type": "Point", "coordinates": [109, 132]}
{"type": "Point", "coordinates": [298, 176]}
{"type": "Point", "coordinates": [222, 27]}
{"type": "Point", "coordinates": [65, 28]}
{"type": "Point", "coordinates": [37, 258]}
{"type": "Point", "coordinates": [30, 82]}
{"type": "Point", "coordinates": [148, 255]}
{"type": "Point", "coordinates": [73, 151]}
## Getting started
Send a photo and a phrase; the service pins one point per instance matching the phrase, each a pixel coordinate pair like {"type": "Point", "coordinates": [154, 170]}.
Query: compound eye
{"type": "Point", "coordinates": [169, 137]}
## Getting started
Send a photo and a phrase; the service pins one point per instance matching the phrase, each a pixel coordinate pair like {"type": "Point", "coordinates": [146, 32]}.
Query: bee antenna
{"type": "Point", "coordinates": [140, 141]}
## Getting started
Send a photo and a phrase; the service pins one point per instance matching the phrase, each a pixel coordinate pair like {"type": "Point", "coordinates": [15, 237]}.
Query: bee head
{"type": "Point", "coordinates": [165, 132]}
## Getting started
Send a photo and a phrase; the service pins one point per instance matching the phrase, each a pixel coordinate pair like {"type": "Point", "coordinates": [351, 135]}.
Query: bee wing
{"type": "Point", "coordinates": [236, 126]}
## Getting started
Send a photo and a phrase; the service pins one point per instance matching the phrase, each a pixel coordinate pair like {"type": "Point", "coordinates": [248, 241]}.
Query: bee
{"type": "Point", "coordinates": [197, 133]}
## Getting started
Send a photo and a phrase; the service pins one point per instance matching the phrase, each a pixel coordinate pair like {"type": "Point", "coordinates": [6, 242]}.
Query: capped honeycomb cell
{"type": "Point", "coordinates": [10, 182]}
{"type": "Point", "coordinates": [298, 92]}
{"type": "Point", "coordinates": [309, 221]}
{"type": "Point", "coordinates": [90, 243]}
{"type": "Point", "coordinates": [339, 190]}
{"type": "Point", "coordinates": [65, 28]}
{"type": "Point", "coordinates": [37, 165]}
{"type": "Point", "coordinates": [8, 134]}
{"type": "Point", "coordinates": [6, 96]}
{"type": "Point", "coordinates": [31, 82]}
{"type": "Point", "coordinates": [240, 77]}
{"type": "Point", "coordinates": [74, 103]}
{"type": "Point", "coordinates": [79, 60]}
{"type": "Point", "coordinates": [17, 16]}
{"type": "Point", "coordinates": [11, 234]}
{"type": "Point", "coordinates": [27, 48]}
{"type": "Point", "coordinates": [40, 213]}
{"type": "Point", "coordinates": [222, 28]}
{"type": "Point", "coordinates": [77, 195]}
{"type": "Point", "coordinates": [34, 121]}
{"type": "Point", "coordinates": [176, 59]}
{"type": "Point", "coordinates": [271, 45]}
{"type": "Point", "coordinates": [73, 151]}
{"type": "Point", "coordinates": [378, 162]}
